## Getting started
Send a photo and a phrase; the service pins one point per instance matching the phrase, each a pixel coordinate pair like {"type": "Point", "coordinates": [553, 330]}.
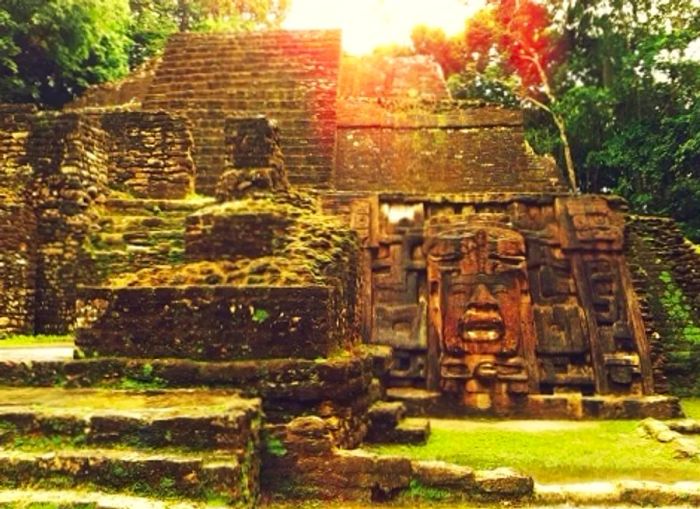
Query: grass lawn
{"type": "Point", "coordinates": [22, 340]}
{"type": "Point", "coordinates": [691, 407]}
{"type": "Point", "coordinates": [556, 451]}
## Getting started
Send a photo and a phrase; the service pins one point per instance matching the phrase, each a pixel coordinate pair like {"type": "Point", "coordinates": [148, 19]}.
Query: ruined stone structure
{"type": "Point", "coordinates": [269, 222]}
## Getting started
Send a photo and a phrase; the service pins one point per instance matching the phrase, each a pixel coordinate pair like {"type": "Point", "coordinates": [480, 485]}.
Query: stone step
{"type": "Point", "coordinates": [281, 383]}
{"type": "Point", "coordinates": [253, 57]}
{"type": "Point", "coordinates": [626, 493]}
{"type": "Point", "coordinates": [418, 402]}
{"type": "Point", "coordinates": [153, 238]}
{"type": "Point", "coordinates": [189, 419]}
{"type": "Point", "coordinates": [141, 223]}
{"type": "Point", "coordinates": [385, 415]}
{"type": "Point", "coordinates": [132, 258]}
{"type": "Point", "coordinates": [240, 73]}
{"type": "Point", "coordinates": [169, 475]}
{"type": "Point", "coordinates": [154, 206]}
{"type": "Point", "coordinates": [80, 499]}
{"type": "Point", "coordinates": [413, 431]}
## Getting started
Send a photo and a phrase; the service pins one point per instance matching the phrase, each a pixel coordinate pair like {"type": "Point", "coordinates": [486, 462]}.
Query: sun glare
{"type": "Point", "coordinates": [367, 24]}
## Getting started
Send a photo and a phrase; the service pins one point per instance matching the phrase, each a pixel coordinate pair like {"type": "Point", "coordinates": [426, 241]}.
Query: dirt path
{"type": "Point", "coordinates": [517, 425]}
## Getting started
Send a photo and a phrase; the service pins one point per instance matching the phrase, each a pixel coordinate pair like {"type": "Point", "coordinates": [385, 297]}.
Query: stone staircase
{"type": "Point", "coordinates": [193, 447]}
{"type": "Point", "coordinates": [290, 77]}
{"type": "Point", "coordinates": [134, 234]}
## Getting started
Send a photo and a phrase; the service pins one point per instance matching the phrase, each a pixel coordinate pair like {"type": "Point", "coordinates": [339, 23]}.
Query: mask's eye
{"type": "Point", "coordinates": [498, 289]}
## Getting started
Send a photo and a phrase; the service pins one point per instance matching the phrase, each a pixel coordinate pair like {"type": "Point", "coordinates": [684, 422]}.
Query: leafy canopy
{"type": "Point", "coordinates": [51, 50]}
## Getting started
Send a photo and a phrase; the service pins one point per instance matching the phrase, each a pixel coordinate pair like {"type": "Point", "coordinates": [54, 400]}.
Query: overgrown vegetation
{"type": "Point", "coordinates": [311, 251]}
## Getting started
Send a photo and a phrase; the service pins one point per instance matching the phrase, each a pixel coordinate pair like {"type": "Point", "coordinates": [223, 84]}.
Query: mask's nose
{"type": "Point", "coordinates": [482, 298]}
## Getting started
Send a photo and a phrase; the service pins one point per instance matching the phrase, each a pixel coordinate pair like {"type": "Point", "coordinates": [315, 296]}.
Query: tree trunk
{"type": "Point", "coordinates": [568, 157]}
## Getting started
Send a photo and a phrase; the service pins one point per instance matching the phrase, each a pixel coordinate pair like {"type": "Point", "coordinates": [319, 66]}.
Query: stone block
{"type": "Point", "coordinates": [503, 483]}
{"type": "Point", "coordinates": [439, 474]}
{"type": "Point", "coordinates": [210, 323]}
{"type": "Point", "coordinates": [220, 236]}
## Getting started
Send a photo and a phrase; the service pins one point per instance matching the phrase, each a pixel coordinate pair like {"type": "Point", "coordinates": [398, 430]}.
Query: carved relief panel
{"type": "Point", "coordinates": [398, 281]}
{"type": "Point", "coordinates": [493, 300]}
{"type": "Point", "coordinates": [481, 323]}
{"type": "Point", "coordinates": [593, 242]}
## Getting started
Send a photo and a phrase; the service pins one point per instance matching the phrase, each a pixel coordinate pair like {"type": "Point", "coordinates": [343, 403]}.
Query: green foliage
{"type": "Point", "coordinates": [50, 50]}
{"type": "Point", "coordinates": [260, 315]}
{"type": "Point", "coordinates": [152, 22]}
{"type": "Point", "coordinates": [678, 309]}
{"type": "Point", "coordinates": [449, 52]}
{"type": "Point", "coordinates": [416, 490]}
{"type": "Point", "coordinates": [631, 97]}
{"type": "Point", "coordinates": [275, 447]}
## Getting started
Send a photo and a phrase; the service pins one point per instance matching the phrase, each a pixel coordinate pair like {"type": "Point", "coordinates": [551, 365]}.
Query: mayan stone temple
{"type": "Point", "coordinates": [270, 255]}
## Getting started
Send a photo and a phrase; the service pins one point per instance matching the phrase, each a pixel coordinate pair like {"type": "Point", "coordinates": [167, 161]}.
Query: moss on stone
{"type": "Point", "coordinates": [20, 340]}
{"type": "Point", "coordinates": [315, 249]}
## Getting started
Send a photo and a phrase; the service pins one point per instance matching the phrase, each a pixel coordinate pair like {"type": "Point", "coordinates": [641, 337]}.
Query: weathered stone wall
{"type": "Point", "coordinates": [416, 77]}
{"type": "Point", "coordinates": [17, 267]}
{"type": "Point", "coordinates": [472, 150]}
{"type": "Point", "coordinates": [211, 323]}
{"type": "Point", "coordinates": [15, 126]}
{"type": "Point", "coordinates": [150, 154]}
{"type": "Point", "coordinates": [53, 168]}
{"type": "Point", "coordinates": [69, 172]}
{"type": "Point", "coordinates": [17, 223]}
{"type": "Point", "coordinates": [289, 77]}
{"type": "Point", "coordinates": [667, 269]}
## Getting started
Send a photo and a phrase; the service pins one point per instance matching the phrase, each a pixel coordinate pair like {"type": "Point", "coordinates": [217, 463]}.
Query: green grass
{"type": "Point", "coordinates": [691, 407]}
{"type": "Point", "coordinates": [560, 451]}
{"type": "Point", "coordinates": [17, 340]}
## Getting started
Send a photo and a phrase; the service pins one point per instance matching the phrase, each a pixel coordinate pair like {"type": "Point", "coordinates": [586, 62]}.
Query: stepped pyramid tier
{"type": "Point", "coordinates": [306, 235]}
{"type": "Point", "coordinates": [189, 445]}
{"type": "Point", "coordinates": [287, 76]}
{"type": "Point", "coordinates": [269, 238]}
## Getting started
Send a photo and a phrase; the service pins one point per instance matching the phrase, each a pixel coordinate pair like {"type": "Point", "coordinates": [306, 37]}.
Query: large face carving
{"type": "Point", "coordinates": [480, 307]}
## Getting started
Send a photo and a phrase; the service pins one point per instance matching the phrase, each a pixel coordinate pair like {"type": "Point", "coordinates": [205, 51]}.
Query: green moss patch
{"type": "Point", "coordinates": [30, 340]}
{"type": "Point", "coordinates": [315, 249]}
{"type": "Point", "coordinates": [679, 310]}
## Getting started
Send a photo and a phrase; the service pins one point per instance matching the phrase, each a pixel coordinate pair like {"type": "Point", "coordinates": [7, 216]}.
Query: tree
{"type": "Point", "coordinates": [518, 34]}
{"type": "Point", "coordinates": [449, 52]}
{"type": "Point", "coordinates": [52, 49]}
{"type": "Point", "coordinates": [631, 93]}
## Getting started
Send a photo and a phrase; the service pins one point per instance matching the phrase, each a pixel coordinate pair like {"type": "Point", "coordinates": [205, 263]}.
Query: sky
{"type": "Point", "coordinates": [367, 24]}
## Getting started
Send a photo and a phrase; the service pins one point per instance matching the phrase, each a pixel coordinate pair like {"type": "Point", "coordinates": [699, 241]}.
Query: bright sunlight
{"type": "Point", "coordinates": [367, 24]}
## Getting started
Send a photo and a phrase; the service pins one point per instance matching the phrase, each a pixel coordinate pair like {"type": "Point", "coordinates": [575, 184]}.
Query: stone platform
{"type": "Point", "coordinates": [194, 445]}
{"type": "Point", "coordinates": [420, 402]}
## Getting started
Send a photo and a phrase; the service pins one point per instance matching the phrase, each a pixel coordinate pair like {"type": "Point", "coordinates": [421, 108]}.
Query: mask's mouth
{"type": "Point", "coordinates": [482, 325]}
